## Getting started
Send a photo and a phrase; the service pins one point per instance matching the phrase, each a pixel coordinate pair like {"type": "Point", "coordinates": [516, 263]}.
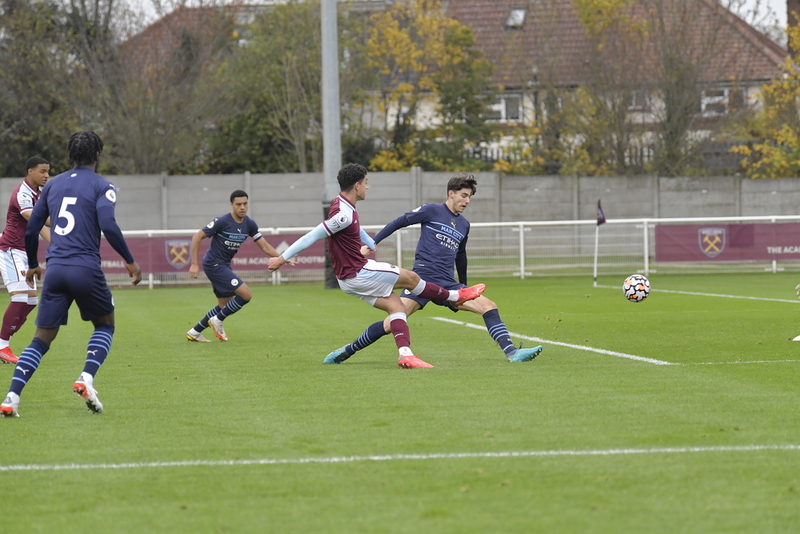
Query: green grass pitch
{"type": "Point", "coordinates": [256, 435]}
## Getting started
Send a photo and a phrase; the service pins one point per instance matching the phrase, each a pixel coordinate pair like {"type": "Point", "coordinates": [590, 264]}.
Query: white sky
{"type": "Point", "coordinates": [777, 7]}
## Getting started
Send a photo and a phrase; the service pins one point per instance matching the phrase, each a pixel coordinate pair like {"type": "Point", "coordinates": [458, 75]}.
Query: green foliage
{"type": "Point", "coordinates": [426, 60]}
{"type": "Point", "coordinates": [776, 127]}
{"type": "Point", "coordinates": [274, 78]}
{"type": "Point", "coordinates": [36, 117]}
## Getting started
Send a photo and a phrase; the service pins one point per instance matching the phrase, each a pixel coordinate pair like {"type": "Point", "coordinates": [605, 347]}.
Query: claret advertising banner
{"type": "Point", "coordinates": [728, 242]}
{"type": "Point", "coordinates": [174, 254]}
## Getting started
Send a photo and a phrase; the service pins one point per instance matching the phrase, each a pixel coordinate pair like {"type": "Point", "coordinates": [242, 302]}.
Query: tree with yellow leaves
{"type": "Point", "coordinates": [777, 124]}
{"type": "Point", "coordinates": [433, 87]}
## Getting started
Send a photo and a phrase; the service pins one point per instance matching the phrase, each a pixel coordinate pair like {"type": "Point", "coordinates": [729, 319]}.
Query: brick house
{"type": "Point", "coordinates": [523, 38]}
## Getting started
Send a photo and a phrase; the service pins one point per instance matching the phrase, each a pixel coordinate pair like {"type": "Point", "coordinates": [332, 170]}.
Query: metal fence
{"type": "Point", "coordinates": [525, 249]}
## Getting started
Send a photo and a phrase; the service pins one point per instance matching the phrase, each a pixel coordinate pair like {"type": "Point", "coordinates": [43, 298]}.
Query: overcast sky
{"type": "Point", "coordinates": [778, 7]}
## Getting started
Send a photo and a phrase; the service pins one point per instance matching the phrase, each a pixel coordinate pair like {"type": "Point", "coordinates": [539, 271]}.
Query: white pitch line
{"type": "Point", "coordinates": [399, 457]}
{"type": "Point", "coordinates": [579, 347]}
{"type": "Point", "coordinates": [735, 363]}
{"type": "Point", "coordinates": [710, 295]}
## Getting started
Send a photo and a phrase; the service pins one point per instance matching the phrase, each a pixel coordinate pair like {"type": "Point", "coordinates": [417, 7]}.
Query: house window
{"type": "Point", "coordinates": [516, 18]}
{"type": "Point", "coordinates": [639, 100]}
{"type": "Point", "coordinates": [720, 101]}
{"type": "Point", "coordinates": [507, 108]}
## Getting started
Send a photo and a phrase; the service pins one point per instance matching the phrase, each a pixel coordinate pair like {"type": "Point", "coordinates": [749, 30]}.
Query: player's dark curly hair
{"type": "Point", "coordinates": [462, 181]}
{"type": "Point", "coordinates": [34, 162]}
{"type": "Point", "coordinates": [349, 175]}
{"type": "Point", "coordinates": [84, 148]}
{"type": "Point", "coordinates": [238, 193]}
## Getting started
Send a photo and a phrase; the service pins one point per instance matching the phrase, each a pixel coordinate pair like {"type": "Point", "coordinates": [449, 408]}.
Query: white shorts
{"type": "Point", "coordinates": [375, 280]}
{"type": "Point", "coordinates": [13, 265]}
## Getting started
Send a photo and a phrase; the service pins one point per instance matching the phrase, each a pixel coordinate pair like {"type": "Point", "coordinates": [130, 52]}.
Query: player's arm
{"type": "Point", "coordinates": [36, 219]}
{"type": "Point", "coordinates": [194, 268]}
{"type": "Point", "coordinates": [368, 243]}
{"type": "Point", "coordinates": [45, 231]}
{"type": "Point", "coordinates": [110, 228]}
{"type": "Point", "coordinates": [461, 262]}
{"type": "Point", "coordinates": [366, 239]}
{"type": "Point", "coordinates": [268, 249]}
{"type": "Point", "coordinates": [320, 232]}
{"type": "Point", "coordinates": [407, 219]}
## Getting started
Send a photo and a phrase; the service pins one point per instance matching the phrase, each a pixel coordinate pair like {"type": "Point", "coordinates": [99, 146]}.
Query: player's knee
{"type": "Point", "coordinates": [245, 293]}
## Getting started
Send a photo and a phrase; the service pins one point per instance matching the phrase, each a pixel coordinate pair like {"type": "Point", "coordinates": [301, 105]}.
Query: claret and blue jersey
{"type": "Point", "coordinates": [227, 237]}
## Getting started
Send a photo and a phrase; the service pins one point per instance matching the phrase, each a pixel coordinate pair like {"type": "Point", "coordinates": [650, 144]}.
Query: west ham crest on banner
{"type": "Point", "coordinates": [178, 252]}
{"type": "Point", "coordinates": [711, 241]}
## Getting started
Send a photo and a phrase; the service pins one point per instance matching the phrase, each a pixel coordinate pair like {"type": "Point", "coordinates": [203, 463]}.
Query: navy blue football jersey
{"type": "Point", "coordinates": [442, 239]}
{"type": "Point", "coordinates": [227, 236]}
{"type": "Point", "coordinates": [72, 200]}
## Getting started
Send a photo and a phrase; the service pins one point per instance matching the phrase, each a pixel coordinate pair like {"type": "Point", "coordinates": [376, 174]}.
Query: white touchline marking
{"type": "Point", "coordinates": [399, 457]}
{"type": "Point", "coordinates": [709, 295]}
{"type": "Point", "coordinates": [733, 363]}
{"type": "Point", "coordinates": [579, 347]}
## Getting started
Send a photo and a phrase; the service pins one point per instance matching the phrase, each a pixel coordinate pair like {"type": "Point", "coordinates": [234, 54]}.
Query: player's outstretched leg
{"type": "Point", "coordinates": [369, 336]}
{"type": "Point", "coordinates": [431, 291]}
{"type": "Point", "coordinates": [499, 332]}
{"type": "Point", "coordinates": [469, 293]}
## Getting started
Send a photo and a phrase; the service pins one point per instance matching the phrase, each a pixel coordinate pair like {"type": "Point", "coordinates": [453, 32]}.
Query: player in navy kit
{"type": "Point", "coordinates": [369, 280]}
{"type": "Point", "coordinates": [227, 233]}
{"type": "Point", "coordinates": [13, 259]}
{"type": "Point", "coordinates": [80, 203]}
{"type": "Point", "coordinates": [442, 245]}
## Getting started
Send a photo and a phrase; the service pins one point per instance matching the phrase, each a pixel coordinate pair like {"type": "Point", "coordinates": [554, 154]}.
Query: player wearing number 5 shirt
{"type": "Point", "coordinates": [80, 204]}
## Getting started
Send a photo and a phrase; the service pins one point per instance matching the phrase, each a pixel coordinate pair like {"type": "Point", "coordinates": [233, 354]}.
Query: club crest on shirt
{"type": "Point", "coordinates": [178, 252]}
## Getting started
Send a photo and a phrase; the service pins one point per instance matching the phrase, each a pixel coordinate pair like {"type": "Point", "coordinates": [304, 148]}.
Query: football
{"type": "Point", "coordinates": [636, 288]}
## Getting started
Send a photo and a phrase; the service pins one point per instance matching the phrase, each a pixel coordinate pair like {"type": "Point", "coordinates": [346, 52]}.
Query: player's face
{"type": "Point", "coordinates": [459, 200]}
{"type": "Point", "coordinates": [239, 208]}
{"type": "Point", "coordinates": [361, 188]}
{"type": "Point", "coordinates": [38, 175]}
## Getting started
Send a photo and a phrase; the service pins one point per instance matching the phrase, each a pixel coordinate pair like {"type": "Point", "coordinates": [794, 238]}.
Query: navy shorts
{"type": "Point", "coordinates": [64, 284]}
{"type": "Point", "coordinates": [451, 285]}
{"type": "Point", "coordinates": [223, 280]}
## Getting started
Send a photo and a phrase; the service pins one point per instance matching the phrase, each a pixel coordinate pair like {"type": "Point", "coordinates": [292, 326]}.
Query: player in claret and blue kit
{"type": "Point", "coordinates": [80, 204]}
{"type": "Point", "coordinates": [369, 280]}
{"type": "Point", "coordinates": [227, 233]}
{"type": "Point", "coordinates": [13, 259]}
{"type": "Point", "coordinates": [441, 247]}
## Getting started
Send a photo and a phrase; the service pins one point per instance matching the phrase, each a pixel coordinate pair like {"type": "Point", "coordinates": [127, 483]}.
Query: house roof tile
{"type": "Point", "coordinates": [553, 39]}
